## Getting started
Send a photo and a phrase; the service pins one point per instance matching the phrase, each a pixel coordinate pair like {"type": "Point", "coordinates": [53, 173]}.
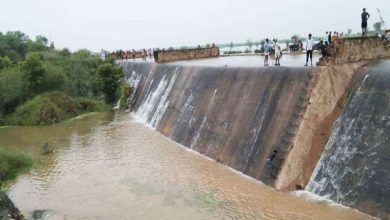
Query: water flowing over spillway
{"type": "Point", "coordinates": [239, 115]}
{"type": "Point", "coordinates": [355, 168]}
{"type": "Point", "coordinates": [235, 115]}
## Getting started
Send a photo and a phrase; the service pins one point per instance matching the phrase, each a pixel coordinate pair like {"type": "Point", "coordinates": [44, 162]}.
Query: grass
{"type": "Point", "coordinates": [12, 163]}
{"type": "Point", "coordinates": [54, 107]}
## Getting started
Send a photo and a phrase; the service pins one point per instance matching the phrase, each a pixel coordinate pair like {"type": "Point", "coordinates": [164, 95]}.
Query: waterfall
{"type": "Point", "coordinates": [354, 168]}
{"type": "Point", "coordinates": [154, 106]}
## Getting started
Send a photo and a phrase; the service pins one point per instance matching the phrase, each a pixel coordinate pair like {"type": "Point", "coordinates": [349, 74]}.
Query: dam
{"type": "Point", "coordinates": [199, 136]}
{"type": "Point", "coordinates": [323, 122]}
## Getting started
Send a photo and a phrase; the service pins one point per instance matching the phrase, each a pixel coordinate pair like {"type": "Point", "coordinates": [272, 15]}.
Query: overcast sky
{"type": "Point", "coordinates": [115, 24]}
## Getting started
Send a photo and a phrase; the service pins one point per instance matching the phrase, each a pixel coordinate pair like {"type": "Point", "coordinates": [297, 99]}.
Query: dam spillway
{"type": "Point", "coordinates": [239, 115]}
{"type": "Point", "coordinates": [236, 116]}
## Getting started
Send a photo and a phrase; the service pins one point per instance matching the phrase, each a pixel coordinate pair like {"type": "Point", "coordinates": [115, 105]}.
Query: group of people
{"type": "Point", "coordinates": [267, 51]}
{"type": "Point", "coordinates": [132, 54]}
{"type": "Point", "coordinates": [278, 52]}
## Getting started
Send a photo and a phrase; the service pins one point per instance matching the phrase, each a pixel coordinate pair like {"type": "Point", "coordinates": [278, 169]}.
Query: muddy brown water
{"type": "Point", "coordinates": [114, 167]}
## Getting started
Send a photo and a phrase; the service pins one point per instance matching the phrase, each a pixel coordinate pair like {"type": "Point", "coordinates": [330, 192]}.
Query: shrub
{"type": "Point", "coordinates": [12, 162]}
{"type": "Point", "coordinates": [91, 105]}
{"type": "Point", "coordinates": [41, 110]}
{"type": "Point", "coordinates": [109, 80]}
{"type": "Point", "coordinates": [53, 107]}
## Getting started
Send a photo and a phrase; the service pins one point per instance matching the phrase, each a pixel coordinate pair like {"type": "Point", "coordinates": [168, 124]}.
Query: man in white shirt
{"type": "Point", "coordinates": [309, 50]}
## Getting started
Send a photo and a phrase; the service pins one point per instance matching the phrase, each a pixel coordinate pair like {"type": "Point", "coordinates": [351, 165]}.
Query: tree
{"type": "Point", "coordinates": [349, 31]}
{"type": "Point", "coordinates": [42, 40]}
{"type": "Point", "coordinates": [109, 77]}
{"type": "Point", "coordinates": [249, 43]}
{"type": "Point", "coordinates": [52, 47]}
{"type": "Point", "coordinates": [5, 62]}
{"type": "Point", "coordinates": [377, 26]}
{"type": "Point", "coordinates": [34, 72]}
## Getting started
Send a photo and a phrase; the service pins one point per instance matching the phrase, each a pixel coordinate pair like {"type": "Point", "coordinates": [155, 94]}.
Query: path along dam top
{"type": "Point", "coordinates": [287, 60]}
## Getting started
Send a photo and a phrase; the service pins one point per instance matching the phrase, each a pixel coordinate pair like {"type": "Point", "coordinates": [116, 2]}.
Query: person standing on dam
{"type": "Point", "coordinates": [277, 52]}
{"type": "Point", "coordinates": [365, 17]}
{"type": "Point", "coordinates": [266, 52]}
{"type": "Point", "coordinates": [309, 50]}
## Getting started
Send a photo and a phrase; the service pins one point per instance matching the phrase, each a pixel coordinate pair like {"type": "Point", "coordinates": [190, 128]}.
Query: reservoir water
{"type": "Point", "coordinates": [109, 166]}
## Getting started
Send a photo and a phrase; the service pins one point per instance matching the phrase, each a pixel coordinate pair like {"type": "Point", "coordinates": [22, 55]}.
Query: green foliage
{"type": "Point", "coordinates": [53, 107]}
{"type": "Point", "coordinates": [32, 67]}
{"type": "Point", "coordinates": [13, 162]}
{"type": "Point", "coordinates": [5, 63]}
{"type": "Point", "coordinates": [13, 90]}
{"type": "Point", "coordinates": [91, 105]}
{"type": "Point", "coordinates": [34, 72]}
{"type": "Point", "coordinates": [15, 45]}
{"type": "Point", "coordinates": [109, 80]}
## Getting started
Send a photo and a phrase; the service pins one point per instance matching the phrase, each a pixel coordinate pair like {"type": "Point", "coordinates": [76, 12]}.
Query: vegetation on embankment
{"type": "Point", "coordinates": [53, 107]}
{"type": "Point", "coordinates": [13, 162]}
{"type": "Point", "coordinates": [31, 70]}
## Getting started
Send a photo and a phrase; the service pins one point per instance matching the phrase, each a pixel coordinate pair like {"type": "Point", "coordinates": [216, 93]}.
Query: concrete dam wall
{"type": "Point", "coordinates": [238, 116]}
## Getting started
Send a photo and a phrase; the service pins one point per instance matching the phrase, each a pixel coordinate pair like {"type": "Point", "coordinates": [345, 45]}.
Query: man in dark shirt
{"type": "Point", "coordinates": [365, 16]}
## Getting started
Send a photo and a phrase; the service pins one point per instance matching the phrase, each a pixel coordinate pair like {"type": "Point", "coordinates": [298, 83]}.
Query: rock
{"type": "Point", "coordinates": [8, 210]}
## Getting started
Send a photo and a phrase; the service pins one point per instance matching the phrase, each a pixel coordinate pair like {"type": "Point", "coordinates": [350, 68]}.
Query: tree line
{"type": "Point", "coordinates": [32, 67]}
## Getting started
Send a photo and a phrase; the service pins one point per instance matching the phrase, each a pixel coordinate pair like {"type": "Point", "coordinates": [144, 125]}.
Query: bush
{"type": "Point", "coordinates": [92, 105]}
{"type": "Point", "coordinates": [53, 107]}
{"type": "Point", "coordinates": [12, 162]}
{"type": "Point", "coordinates": [41, 110]}
{"type": "Point", "coordinates": [109, 80]}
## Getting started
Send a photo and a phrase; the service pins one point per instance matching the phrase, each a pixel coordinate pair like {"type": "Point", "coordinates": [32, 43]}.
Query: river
{"type": "Point", "coordinates": [109, 166]}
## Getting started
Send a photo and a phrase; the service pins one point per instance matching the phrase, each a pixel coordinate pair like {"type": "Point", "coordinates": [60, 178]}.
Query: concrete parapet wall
{"type": "Point", "coordinates": [348, 50]}
{"type": "Point", "coordinates": [185, 54]}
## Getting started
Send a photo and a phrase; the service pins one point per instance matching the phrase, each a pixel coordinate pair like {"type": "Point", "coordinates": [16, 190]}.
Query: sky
{"type": "Point", "coordinates": [128, 24]}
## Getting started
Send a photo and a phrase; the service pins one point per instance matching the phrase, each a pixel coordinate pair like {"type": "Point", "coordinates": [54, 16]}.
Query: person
{"type": "Point", "coordinates": [322, 48]}
{"type": "Point", "coordinates": [269, 162]}
{"type": "Point", "coordinates": [309, 50]}
{"type": "Point", "coordinates": [266, 52]}
{"type": "Point", "coordinates": [365, 16]}
{"type": "Point", "coordinates": [277, 52]}
{"type": "Point", "coordinates": [330, 37]}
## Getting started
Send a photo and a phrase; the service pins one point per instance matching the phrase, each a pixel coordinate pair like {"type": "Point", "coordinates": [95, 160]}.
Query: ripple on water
{"type": "Point", "coordinates": [125, 170]}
